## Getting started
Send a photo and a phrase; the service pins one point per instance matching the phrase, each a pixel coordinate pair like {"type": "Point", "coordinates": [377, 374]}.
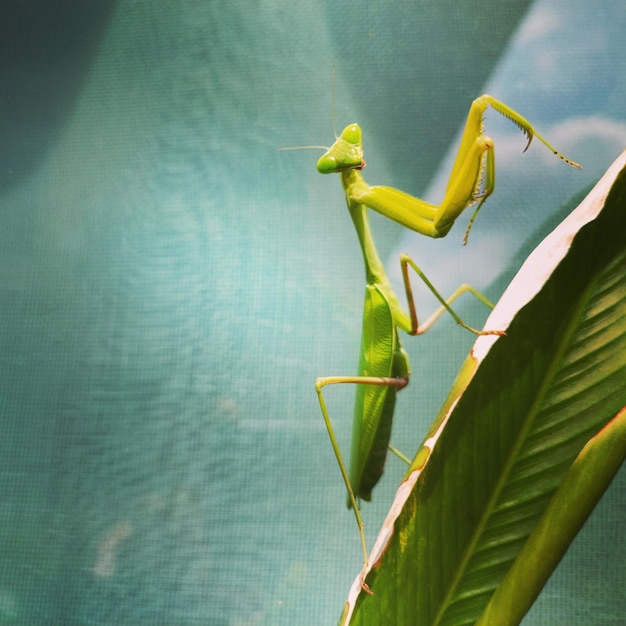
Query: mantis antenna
{"type": "Point", "coordinates": [332, 116]}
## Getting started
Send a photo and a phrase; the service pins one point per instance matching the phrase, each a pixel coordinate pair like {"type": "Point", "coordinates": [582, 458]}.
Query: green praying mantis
{"type": "Point", "coordinates": [384, 367]}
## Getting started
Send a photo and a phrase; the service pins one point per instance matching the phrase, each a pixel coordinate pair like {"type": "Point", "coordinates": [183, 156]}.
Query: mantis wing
{"type": "Point", "coordinates": [381, 356]}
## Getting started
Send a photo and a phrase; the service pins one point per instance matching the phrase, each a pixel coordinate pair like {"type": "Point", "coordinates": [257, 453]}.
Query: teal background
{"type": "Point", "coordinates": [171, 285]}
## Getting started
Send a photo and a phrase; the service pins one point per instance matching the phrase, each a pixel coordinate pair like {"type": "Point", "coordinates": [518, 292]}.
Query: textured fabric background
{"type": "Point", "coordinates": [171, 285]}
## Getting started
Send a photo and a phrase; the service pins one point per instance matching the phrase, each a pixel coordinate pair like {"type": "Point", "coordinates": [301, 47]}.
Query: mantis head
{"type": "Point", "coordinates": [345, 154]}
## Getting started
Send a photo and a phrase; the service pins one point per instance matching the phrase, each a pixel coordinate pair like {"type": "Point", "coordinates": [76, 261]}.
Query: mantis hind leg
{"type": "Point", "coordinates": [361, 380]}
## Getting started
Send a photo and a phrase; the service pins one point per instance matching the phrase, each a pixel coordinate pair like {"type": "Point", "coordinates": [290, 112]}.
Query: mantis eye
{"type": "Point", "coordinates": [352, 134]}
{"type": "Point", "coordinates": [327, 164]}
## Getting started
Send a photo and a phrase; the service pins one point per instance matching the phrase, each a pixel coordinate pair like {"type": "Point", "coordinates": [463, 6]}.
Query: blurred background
{"type": "Point", "coordinates": [171, 285]}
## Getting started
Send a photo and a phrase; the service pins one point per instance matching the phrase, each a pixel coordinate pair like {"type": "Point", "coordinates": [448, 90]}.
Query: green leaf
{"type": "Point", "coordinates": [508, 437]}
{"type": "Point", "coordinates": [585, 482]}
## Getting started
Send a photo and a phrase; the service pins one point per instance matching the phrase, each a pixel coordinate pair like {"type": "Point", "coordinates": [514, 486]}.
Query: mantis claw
{"type": "Point", "coordinates": [364, 585]}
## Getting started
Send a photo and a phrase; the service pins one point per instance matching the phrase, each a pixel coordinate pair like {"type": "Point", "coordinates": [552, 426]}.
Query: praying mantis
{"type": "Point", "coordinates": [384, 367]}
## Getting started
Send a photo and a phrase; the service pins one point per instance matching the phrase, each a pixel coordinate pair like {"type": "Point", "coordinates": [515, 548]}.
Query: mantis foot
{"type": "Point", "coordinates": [498, 333]}
{"type": "Point", "coordinates": [364, 585]}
